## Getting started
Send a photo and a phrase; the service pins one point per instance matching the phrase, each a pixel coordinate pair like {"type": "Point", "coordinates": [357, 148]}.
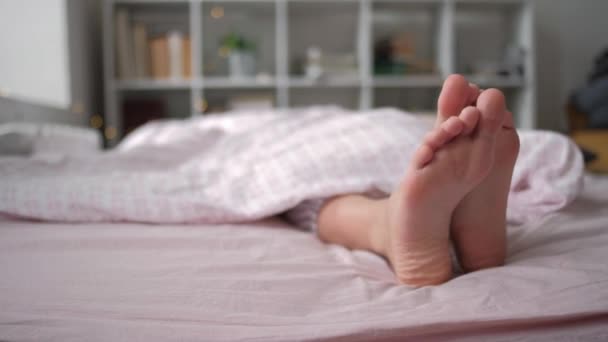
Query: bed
{"type": "Point", "coordinates": [266, 280]}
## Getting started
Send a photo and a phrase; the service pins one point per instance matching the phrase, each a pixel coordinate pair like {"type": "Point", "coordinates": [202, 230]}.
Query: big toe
{"type": "Point", "coordinates": [491, 104]}
{"type": "Point", "coordinates": [454, 96]}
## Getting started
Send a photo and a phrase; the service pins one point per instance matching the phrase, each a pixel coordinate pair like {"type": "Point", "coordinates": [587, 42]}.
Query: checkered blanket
{"type": "Point", "coordinates": [243, 166]}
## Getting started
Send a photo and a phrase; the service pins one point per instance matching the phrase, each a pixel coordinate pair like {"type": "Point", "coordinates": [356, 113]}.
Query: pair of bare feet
{"type": "Point", "coordinates": [455, 190]}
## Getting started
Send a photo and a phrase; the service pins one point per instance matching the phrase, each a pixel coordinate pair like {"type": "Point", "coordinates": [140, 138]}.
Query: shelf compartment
{"type": "Point", "coordinates": [207, 82]}
{"type": "Point", "coordinates": [346, 97]}
{"type": "Point", "coordinates": [220, 100]}
{"type": "Point", "coordinates": [308, 23]}
{"type": "Point", "coordinates": [152, 84]}
{"type": "Point", "coordinates": [287, 28]}
{"type": "Point", "coordinates": [251, 21]}
{"type": "Point", "coordinates": [410, 81]}
{"type": "Point", "coordinates": [144, 34]}
{"type": "Point", "coordinates": [325, 82]}
{"type": "Point", "coordinates": [413, 100]}
{"type": "Point", "coordinates": [490, 39]}
{"type": "Point", "coordinates": [405, 37]}
{"type": "Point", "coordinates": [138, 107]}
{"type": "Point", "coordinates": [490, 81]}
{"type": "Point", "coordinates": [148, 2]}
{"type": "Point", "coordinates": [227, 82]}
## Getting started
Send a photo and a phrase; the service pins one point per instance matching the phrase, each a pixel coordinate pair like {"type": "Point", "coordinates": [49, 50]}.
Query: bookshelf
{"type": "Point", "coordinates": [445, 35]}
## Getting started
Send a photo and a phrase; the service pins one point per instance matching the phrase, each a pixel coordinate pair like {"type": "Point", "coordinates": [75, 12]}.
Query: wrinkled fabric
{"type": "Point", "coordinates": [262, 281]}
{"type": "Point", "coordinates": [244, 166]}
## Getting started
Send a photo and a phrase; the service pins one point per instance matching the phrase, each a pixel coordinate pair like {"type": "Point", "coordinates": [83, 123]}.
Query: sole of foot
{"type": "Point", "coordinates": [439, 176]}
{"type": "Point", "coordinates": [479, 223]}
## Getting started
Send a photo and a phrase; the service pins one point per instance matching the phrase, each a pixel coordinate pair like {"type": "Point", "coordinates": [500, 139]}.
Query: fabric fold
{"type": "Point", "coordinates": [244, 166]}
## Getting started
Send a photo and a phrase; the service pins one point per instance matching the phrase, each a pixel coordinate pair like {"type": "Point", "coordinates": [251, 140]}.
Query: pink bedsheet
{"type": "Point", "coordinates": [247, 166]}
{"type": "Point", "coordinates": [264, 281]}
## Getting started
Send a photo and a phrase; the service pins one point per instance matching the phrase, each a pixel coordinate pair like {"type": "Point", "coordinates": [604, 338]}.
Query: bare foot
{"type": "Point", "coordinates": [412, 227]}
{"type": "Point", "coordinates": [440, 174]}
{"type": "Point", "coordinates": [479, 223]}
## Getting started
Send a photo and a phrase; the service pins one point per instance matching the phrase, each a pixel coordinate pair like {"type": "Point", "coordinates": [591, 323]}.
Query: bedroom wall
{"type": "Point", "coordinates": [51, 58]}
{"type": "Point", "coordinates": [34, 59]}
{"type": "Point", "coordinates": [569, 35]}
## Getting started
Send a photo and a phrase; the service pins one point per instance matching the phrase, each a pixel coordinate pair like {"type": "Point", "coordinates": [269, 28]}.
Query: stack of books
{"type": "Point", "coordinates": [140, 55]}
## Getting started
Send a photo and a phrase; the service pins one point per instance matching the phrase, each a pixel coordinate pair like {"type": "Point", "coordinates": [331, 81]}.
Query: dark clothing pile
{"type": "Point", "coordinates": [592, 99]}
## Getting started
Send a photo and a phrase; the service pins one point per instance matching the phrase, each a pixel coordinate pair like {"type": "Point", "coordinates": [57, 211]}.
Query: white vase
{"type": "Point", "coordinates": [241, 64]}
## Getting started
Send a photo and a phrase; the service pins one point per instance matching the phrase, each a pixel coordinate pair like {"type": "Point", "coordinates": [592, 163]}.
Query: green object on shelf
{"type": "Point", "coordinates": [236, 42]}
{"type": "Point", "coordinates": [390, 68]}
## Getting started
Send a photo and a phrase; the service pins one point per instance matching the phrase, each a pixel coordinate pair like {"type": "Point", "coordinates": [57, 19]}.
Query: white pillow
{"type": "Point", "coordinates": [24, 138]}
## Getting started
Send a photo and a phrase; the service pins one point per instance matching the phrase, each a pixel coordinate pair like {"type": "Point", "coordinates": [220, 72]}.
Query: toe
{"type": "Point", "coordinates": [469, 117]}
{"type": "Point", "coordinates": [454, 95]}
{"type": "Point", "coordinates": [422, 156]}
{"type": "Point", "coordinates": [444, 133]}
{"type": "Point", "coordinates": [474, 92]}
{"type": "Point", "coordinates": [491, 104]}
{"type": "Point", "coordinates": [452, 127]}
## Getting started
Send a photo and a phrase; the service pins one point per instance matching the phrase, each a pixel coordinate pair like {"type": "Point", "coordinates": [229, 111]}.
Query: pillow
{"type": "Point", "coordinates": [22, 139]}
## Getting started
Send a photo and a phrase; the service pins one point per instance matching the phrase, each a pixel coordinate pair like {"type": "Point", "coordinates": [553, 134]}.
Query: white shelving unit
{"type": "Point", "coordinates": [285, 27]}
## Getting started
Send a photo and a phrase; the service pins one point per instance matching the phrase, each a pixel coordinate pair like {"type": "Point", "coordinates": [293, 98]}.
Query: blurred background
{"type": "Point", "coordinates": [112, 65]}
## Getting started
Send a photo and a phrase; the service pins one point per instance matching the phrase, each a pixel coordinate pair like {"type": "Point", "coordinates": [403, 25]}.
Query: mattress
{"type": "Point", "coordinates": [267, 281]}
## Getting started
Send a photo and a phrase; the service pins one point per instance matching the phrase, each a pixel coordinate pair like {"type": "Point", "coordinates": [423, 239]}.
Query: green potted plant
{"type": "Point", "coordinates": [241, 55]}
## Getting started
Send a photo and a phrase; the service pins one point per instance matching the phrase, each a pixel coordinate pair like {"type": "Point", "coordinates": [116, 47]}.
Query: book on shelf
{"type": "Point", "coordinates": [159, 57]}
{"type": "Point", "coordinates": [140, 51]}
{"type": "Point", "coordinates": [174, 42]}
{"type": "Point", "coordinates": [187, 58]}
{"type": "Point", "coordinates": [124, 45]}
{"type": "Point", "coordinates": [142, 54]}
{"type": "Point", "coordinates": [170, 57]}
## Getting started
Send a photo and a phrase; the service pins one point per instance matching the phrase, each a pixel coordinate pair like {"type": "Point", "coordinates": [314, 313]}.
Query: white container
{"type": "Point", "coordinates": [241, 64]}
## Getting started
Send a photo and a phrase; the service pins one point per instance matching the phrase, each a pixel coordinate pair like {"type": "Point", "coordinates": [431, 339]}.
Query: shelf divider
{"type": "Point", "coordinates": [526, 34]}
{"type": "Point", "coordinates": [365, 51]}
{"type": "Point", "coordinates": [282, 48]}
{"type": "Point", "coordinates": [446, 38]}
{"type": "Point", "coordinates": [196, 57]}
{"type": "Point", "coordinates": [112, 98]}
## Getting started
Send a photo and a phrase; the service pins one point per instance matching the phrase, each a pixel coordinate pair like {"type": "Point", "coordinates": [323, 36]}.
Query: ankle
{"type": "Point", "coordinates": [355, 222]}
{"type": "Point", "coordinates": [378, 233]}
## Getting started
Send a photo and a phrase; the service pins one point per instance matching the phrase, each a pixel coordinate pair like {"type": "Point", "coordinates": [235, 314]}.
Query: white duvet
{"type": "Point", "coordinates": [245, 166]}
{"type": "Point", "coordinates": [264, 281]}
